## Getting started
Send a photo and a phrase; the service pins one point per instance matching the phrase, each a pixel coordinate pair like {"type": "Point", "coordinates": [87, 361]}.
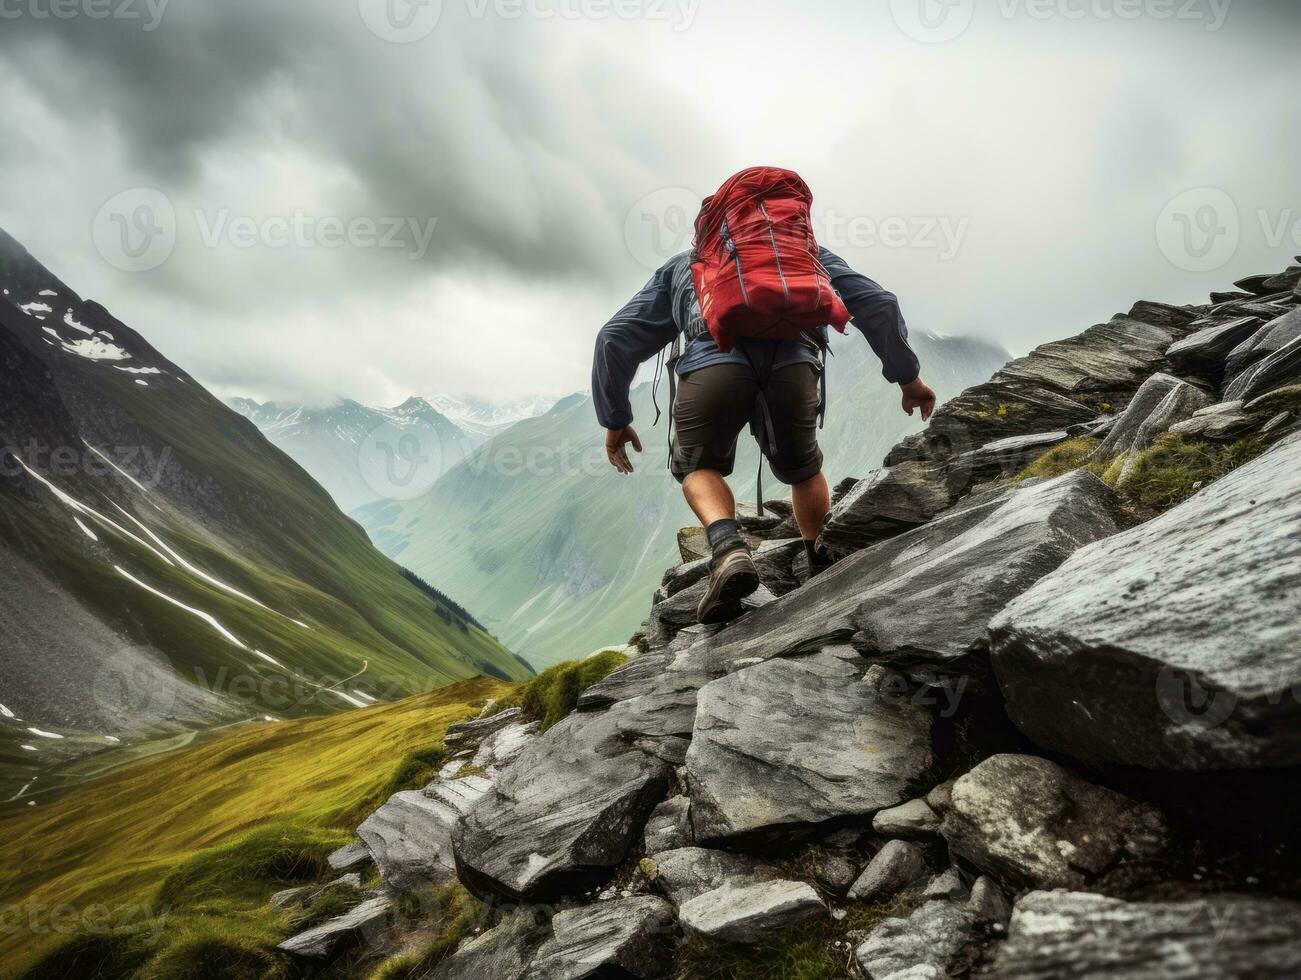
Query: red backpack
{"type": "Point", "coordinates": [755, 261]}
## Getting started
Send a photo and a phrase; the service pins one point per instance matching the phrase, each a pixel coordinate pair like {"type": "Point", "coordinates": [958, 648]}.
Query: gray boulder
{"type": "Point", "coordinates": [1273, 336]}
{"type": "Point", "coordinates": [1179, 405]}
{"type": "Point", "coordinates": [1283, 367]}
{"type": "Point", "coordinates": [789, 743]}
{"type": "Point", "coordinates": [988, 904]}
{"type": "Point", "coordinates": [895, 866]}
{"type": "Point", "coordinates": [947, 885]}
{"type": "Point", "coordinates": [497, 750]}
{"type": "Point", "coordinates": [747, 912]}
{"type": "Point", "coordinates": [1031, 823]}
{"type": "Point", "coordinates": [410, 836]}
{"type": "Point", "coordinates": [914, 819]}
{"type": "Point", "coordinates": [470, 734]}
{"type": "Point", "coordinates": [1222, 422]}
{"type": "Point", "coordinates": [502, 953]}
{"type": "Point", "coordinates": [1058, 934]}
{"type": "Point", "coordinates": [669, 826]}
{"type": "Point", "coordinates": [629, 680]}
{"type": "Point", "coordinates": [321, 941]}
{"type": "Point", "coordinates": [921, 602]}
{"type": "Point", "coordinates": [924, 946]}
{"type": "Point", "coordinates": [688, 872]}
{"type": "Point", "coordinates": [888, 502]}
{"type": "Point", "coordinates": [1124, 437]}
{"type": "Point", "coordinates": [1054, 387]}
{"type": "Point", "coordinates": [1007, 457]}
{"type": "Point", "coordinates": [633, 938]}
{"type": "Point", "coordinates": [1204, 352]}
{"type": "Point", "coordinates": [562, 816]}
{"type": "Point", "coordinates": [1176, 644]}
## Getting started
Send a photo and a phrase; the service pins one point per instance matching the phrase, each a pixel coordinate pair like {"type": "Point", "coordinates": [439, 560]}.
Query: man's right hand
{"type": "Point", "coordinates": [616, 443]}
{"type": "Point", "coordinates": [918, 394]}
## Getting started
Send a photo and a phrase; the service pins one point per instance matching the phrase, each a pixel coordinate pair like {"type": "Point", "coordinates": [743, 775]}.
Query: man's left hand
{"type": "Point", "coordinates": [616, 447]}
{"type": "Point", "coordinates": [918, 394]}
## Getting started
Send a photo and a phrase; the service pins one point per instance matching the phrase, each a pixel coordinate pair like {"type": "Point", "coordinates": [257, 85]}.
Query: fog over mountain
{"type": "Point", "coordinates": [430, 220]}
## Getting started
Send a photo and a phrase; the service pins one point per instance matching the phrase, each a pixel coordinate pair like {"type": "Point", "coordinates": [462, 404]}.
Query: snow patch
{"type": "Point", "coordinates": [94, 349]}
{"type": "Point", "coordinates": [112, 738]}
{"type": "Point", "coordinates": [29, 748]}
{"type": "Point", "coordinates": [268, 658]}
{"type": "Point", "coordinates": [47, 292]}
{"type": "Point", "coordinates": [31, 309]}
{"type": "Point", "coordinates": [44, 734]}
{"type": "Point", "coordinates": [6, 712]}
{"type": "Point", "coordinates": [144, 384]}
{"type": "Point", "coordinates": [140, 370]}
{"type": "Point", "coordinates": [350, 699]}
{"type": "Point", "coordinates": [208, 618]}
{"type": "Point", "coordinates": [364, 696]}
{"type": "Point", "coordinates": [71, 321]}
{"type": "Point", "coordinates": [85, 530]}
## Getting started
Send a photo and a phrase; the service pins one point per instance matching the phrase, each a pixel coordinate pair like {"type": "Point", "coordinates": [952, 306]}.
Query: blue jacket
{"type": "Point", "coordinates": [667, 306]}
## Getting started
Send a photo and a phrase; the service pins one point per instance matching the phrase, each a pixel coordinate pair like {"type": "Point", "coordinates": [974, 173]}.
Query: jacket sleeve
{"type": "Point", "coordinates": [632, 336]}
{"type": "Point", "coordinates": [875, 312]}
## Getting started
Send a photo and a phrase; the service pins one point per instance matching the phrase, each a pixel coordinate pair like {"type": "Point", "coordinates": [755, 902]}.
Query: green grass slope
{"type": "Point", "coordinates": [164, 868]}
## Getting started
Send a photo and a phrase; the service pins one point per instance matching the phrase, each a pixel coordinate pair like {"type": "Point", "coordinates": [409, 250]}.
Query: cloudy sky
{"type": "Point", "coordinates": [307, 198]}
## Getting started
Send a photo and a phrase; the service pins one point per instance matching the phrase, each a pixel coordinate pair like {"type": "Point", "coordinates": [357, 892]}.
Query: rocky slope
{"type": "Point", "coordinates": [557, 552]}
{"type": "Point", "coordinates": [163, 568]}
{"type": "Point", "coordinates": [1040, 720]}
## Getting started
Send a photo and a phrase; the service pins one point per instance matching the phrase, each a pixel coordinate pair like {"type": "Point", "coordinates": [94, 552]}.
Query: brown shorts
{"type": "Point", "coordinates": [715, 404]}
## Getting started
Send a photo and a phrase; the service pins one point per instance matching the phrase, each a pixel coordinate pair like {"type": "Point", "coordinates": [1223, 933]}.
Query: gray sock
{"type": "Point", "coordinates": [724, 533]}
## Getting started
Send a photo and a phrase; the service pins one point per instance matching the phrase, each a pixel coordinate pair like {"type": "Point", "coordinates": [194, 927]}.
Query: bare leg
{"type": "Point", "coordinates": [709, 496]}
{"type": "Point", "coordinates": [812, 500]}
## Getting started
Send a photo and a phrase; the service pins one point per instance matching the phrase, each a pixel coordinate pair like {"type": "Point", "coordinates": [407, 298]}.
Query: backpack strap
{"type": "Point", "coordinates": [668, 357]}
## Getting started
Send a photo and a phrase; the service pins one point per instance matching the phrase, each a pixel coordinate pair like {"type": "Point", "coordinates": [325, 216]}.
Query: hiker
{"type": "Point", "coordinates": [754, 356]}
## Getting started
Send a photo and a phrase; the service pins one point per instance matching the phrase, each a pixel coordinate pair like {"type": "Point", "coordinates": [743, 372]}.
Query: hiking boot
{"type": "Point", "coordinates": [732, 577]}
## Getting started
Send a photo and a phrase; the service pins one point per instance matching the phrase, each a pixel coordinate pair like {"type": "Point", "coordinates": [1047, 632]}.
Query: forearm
{"type": "Point", "coordinates": [875, 312]}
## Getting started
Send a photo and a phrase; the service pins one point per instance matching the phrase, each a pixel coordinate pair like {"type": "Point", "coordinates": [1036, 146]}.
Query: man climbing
{"type": "Point", "coordinates": [753, 357]}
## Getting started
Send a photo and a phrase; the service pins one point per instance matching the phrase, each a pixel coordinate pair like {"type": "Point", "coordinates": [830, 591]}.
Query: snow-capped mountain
{"type": "Point", "coordinates": [487, 419]}
{"type": "Point", "coordinates": [362, 454]}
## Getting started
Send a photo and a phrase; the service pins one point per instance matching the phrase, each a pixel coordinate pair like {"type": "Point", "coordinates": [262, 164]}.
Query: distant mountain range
{"type": "Point", "coordinates": [559, 555]}
{"type": "Point", "coordinates": [362, 454]}
{"type": "Point", "coordinates": [164, 568]}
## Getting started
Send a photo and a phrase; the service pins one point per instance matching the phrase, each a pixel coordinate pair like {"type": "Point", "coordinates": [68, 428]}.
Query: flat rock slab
{"type": "Point", "coordinates": [320, 942]}
{"type": "Point", "coordinates": [349, 856]}
{"type": "Point", "coordinates": [1053, 387]}
{"type": "Point", "coordinates": [669, 826]}
{"type": "Point", "coordinates": [1073, 934]}
{"type": "Point", "coordinates": [1280, 368]}
{"type": "Point", "coordinates": [1176, 644]}
{"type": "Point", "coordinates": [914, 819]}
{"type": "Point", "coordinates": [748, 912]}
{"type": "Point", "coordinates": [922, 601]}
{"type": "Point", "coordinates": [1209, 346]}
{"type": "Point", "coordinates": [1221, 422]}
{"type": "Point", "coordinates": [630, 938]}
{"type": "Point", "coordinates": [1276, 334]}
{"type": "Point", "coordinates": [562, 816]}
{"type": "Point", "coordinates": [410, 836]}
{"type": "Point", "coordinates": [688, 872]}
{"type": "Point", "coordinates": [798, 742]}
{"type": "Point", "coordinates": [1031, 823]}
{"type": "Point", "coordinates": [888, 502]}
{"type": "Point", "coordinates": [920, 947]}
